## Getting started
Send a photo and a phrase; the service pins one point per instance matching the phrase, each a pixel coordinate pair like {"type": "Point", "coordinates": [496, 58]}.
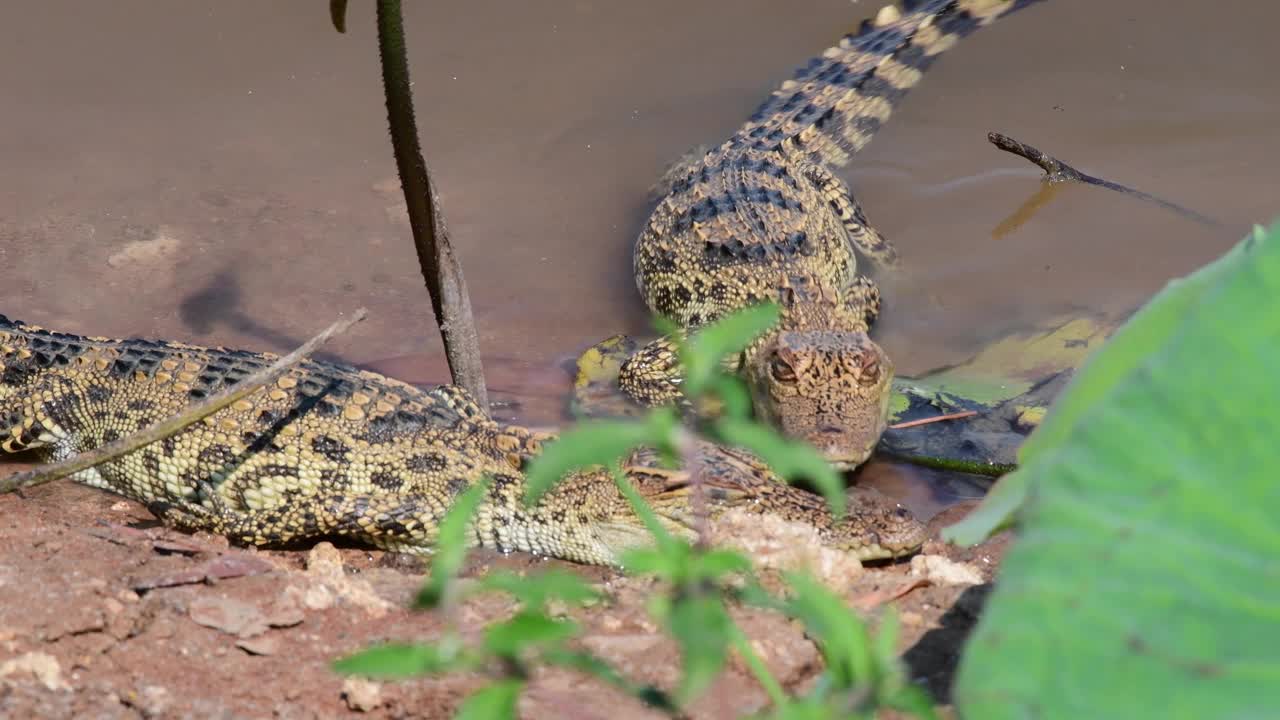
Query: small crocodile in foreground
{"type": "Point", "coordinates": [329, 450]}
{"type": "Point", "coordinates": [763, 217]}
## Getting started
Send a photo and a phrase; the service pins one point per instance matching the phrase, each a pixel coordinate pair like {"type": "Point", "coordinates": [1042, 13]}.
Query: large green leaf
{"type": "Point", "coordinates": [1146, 579]}
{"type": "Point", "coordinates": [1146, 331]}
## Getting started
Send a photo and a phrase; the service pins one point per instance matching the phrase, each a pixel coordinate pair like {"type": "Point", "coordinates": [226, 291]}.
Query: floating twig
{"type": "Point", "coordinates": [177, 423]}
{"type": "Point", "coordinates": [930, 420]}
{"type": "Point", "coordinates": [1057, 171]}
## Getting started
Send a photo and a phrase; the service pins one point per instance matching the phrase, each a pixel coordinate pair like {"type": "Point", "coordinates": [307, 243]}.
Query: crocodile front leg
{"type": "Point", "coordinates": [863, 296]}
{"type": "Point", "coordinates": [652, 375]}
{"type": "Point", "coordinates": [865, 238]}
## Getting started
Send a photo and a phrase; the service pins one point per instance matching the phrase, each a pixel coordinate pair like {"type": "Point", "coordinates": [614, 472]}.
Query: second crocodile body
{"type": "Point", "coordinates": [763, 217]}
{"type": "Point", "coordinates": [329, 450]}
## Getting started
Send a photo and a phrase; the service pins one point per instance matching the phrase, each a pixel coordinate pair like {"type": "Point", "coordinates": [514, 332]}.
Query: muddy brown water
{"type": "Point", "coordinates": [218, 172]}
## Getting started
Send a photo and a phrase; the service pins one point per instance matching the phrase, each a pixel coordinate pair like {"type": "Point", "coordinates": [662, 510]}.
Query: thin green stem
{"type": "Point", "coordinates": [766, 679]}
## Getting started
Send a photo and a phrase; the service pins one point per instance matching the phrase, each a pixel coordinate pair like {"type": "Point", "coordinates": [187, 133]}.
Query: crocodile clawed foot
{"type": "Point", "coordinates": [192, 516]}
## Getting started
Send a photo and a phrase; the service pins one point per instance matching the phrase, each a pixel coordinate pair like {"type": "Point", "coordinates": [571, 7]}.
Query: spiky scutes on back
{"type": "Point", "coordinates": [833, 105]}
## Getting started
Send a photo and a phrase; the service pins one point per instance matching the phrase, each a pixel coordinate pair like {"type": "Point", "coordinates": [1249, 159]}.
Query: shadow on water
{"type": "Point", "coordinates": [923, 491]}
{"type": "Point", "coordinates": [219, 304]}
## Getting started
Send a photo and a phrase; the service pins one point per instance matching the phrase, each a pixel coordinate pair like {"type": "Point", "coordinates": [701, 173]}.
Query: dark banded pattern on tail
{"type": "Point", "coordinates": [833, 106]}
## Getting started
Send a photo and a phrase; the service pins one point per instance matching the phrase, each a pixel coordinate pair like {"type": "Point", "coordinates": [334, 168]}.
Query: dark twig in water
{"type": "Point", "coordinates": [175, 424]}
{"type": "Point", "coordinates": [1057, 171]}
{"type": "Point", "coordinates": [440, 266]}
{"type": "Point", "coordinates": [930, 420]}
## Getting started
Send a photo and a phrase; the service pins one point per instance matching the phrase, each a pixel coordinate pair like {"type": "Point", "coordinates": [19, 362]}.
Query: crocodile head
{"type": "Point", "coordinates": [874, 527]}
{"type": "Point", "coordinates": [819, 378]}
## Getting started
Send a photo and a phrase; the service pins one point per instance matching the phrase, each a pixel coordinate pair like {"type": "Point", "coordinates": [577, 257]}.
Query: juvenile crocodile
{"type": "Point", "coordinates": [329, 450]}
{"type": "Point", "coordinates": [763, 217]}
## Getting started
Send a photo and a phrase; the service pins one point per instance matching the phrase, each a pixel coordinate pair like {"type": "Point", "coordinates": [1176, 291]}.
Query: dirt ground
{"type": "Point", "coordinates": [108, 615]}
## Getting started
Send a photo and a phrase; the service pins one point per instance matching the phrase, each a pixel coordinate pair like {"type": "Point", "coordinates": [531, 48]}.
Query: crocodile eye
{"type": "Point", "coordinates": [781, 370]}
{"type": "Point", "coordinates": [870, 371]}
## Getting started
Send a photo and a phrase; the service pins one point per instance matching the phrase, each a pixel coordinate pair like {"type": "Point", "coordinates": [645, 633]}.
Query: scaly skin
{"type": "Point", "coordinates": [328, 450]}
{"type": "Point", "coordinates": [873, 528]}
{"type": "Point", "coordinates": [763, 217]}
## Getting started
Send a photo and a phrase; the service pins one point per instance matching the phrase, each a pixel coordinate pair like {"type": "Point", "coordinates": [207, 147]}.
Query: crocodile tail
{"type": "Point", "coordinates": [833, 106]}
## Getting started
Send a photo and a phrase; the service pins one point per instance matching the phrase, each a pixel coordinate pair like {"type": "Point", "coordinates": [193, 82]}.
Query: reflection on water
{"type": "Point", "coordinates": [218, 172]}
{"type": "Point", "coordinates": [924, 491]}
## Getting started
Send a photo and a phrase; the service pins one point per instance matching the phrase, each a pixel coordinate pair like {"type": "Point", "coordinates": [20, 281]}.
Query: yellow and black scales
{"type": "Point", "coordinates": [763, 217]}
{"type": "Point", "coordinates": [329, 450]}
